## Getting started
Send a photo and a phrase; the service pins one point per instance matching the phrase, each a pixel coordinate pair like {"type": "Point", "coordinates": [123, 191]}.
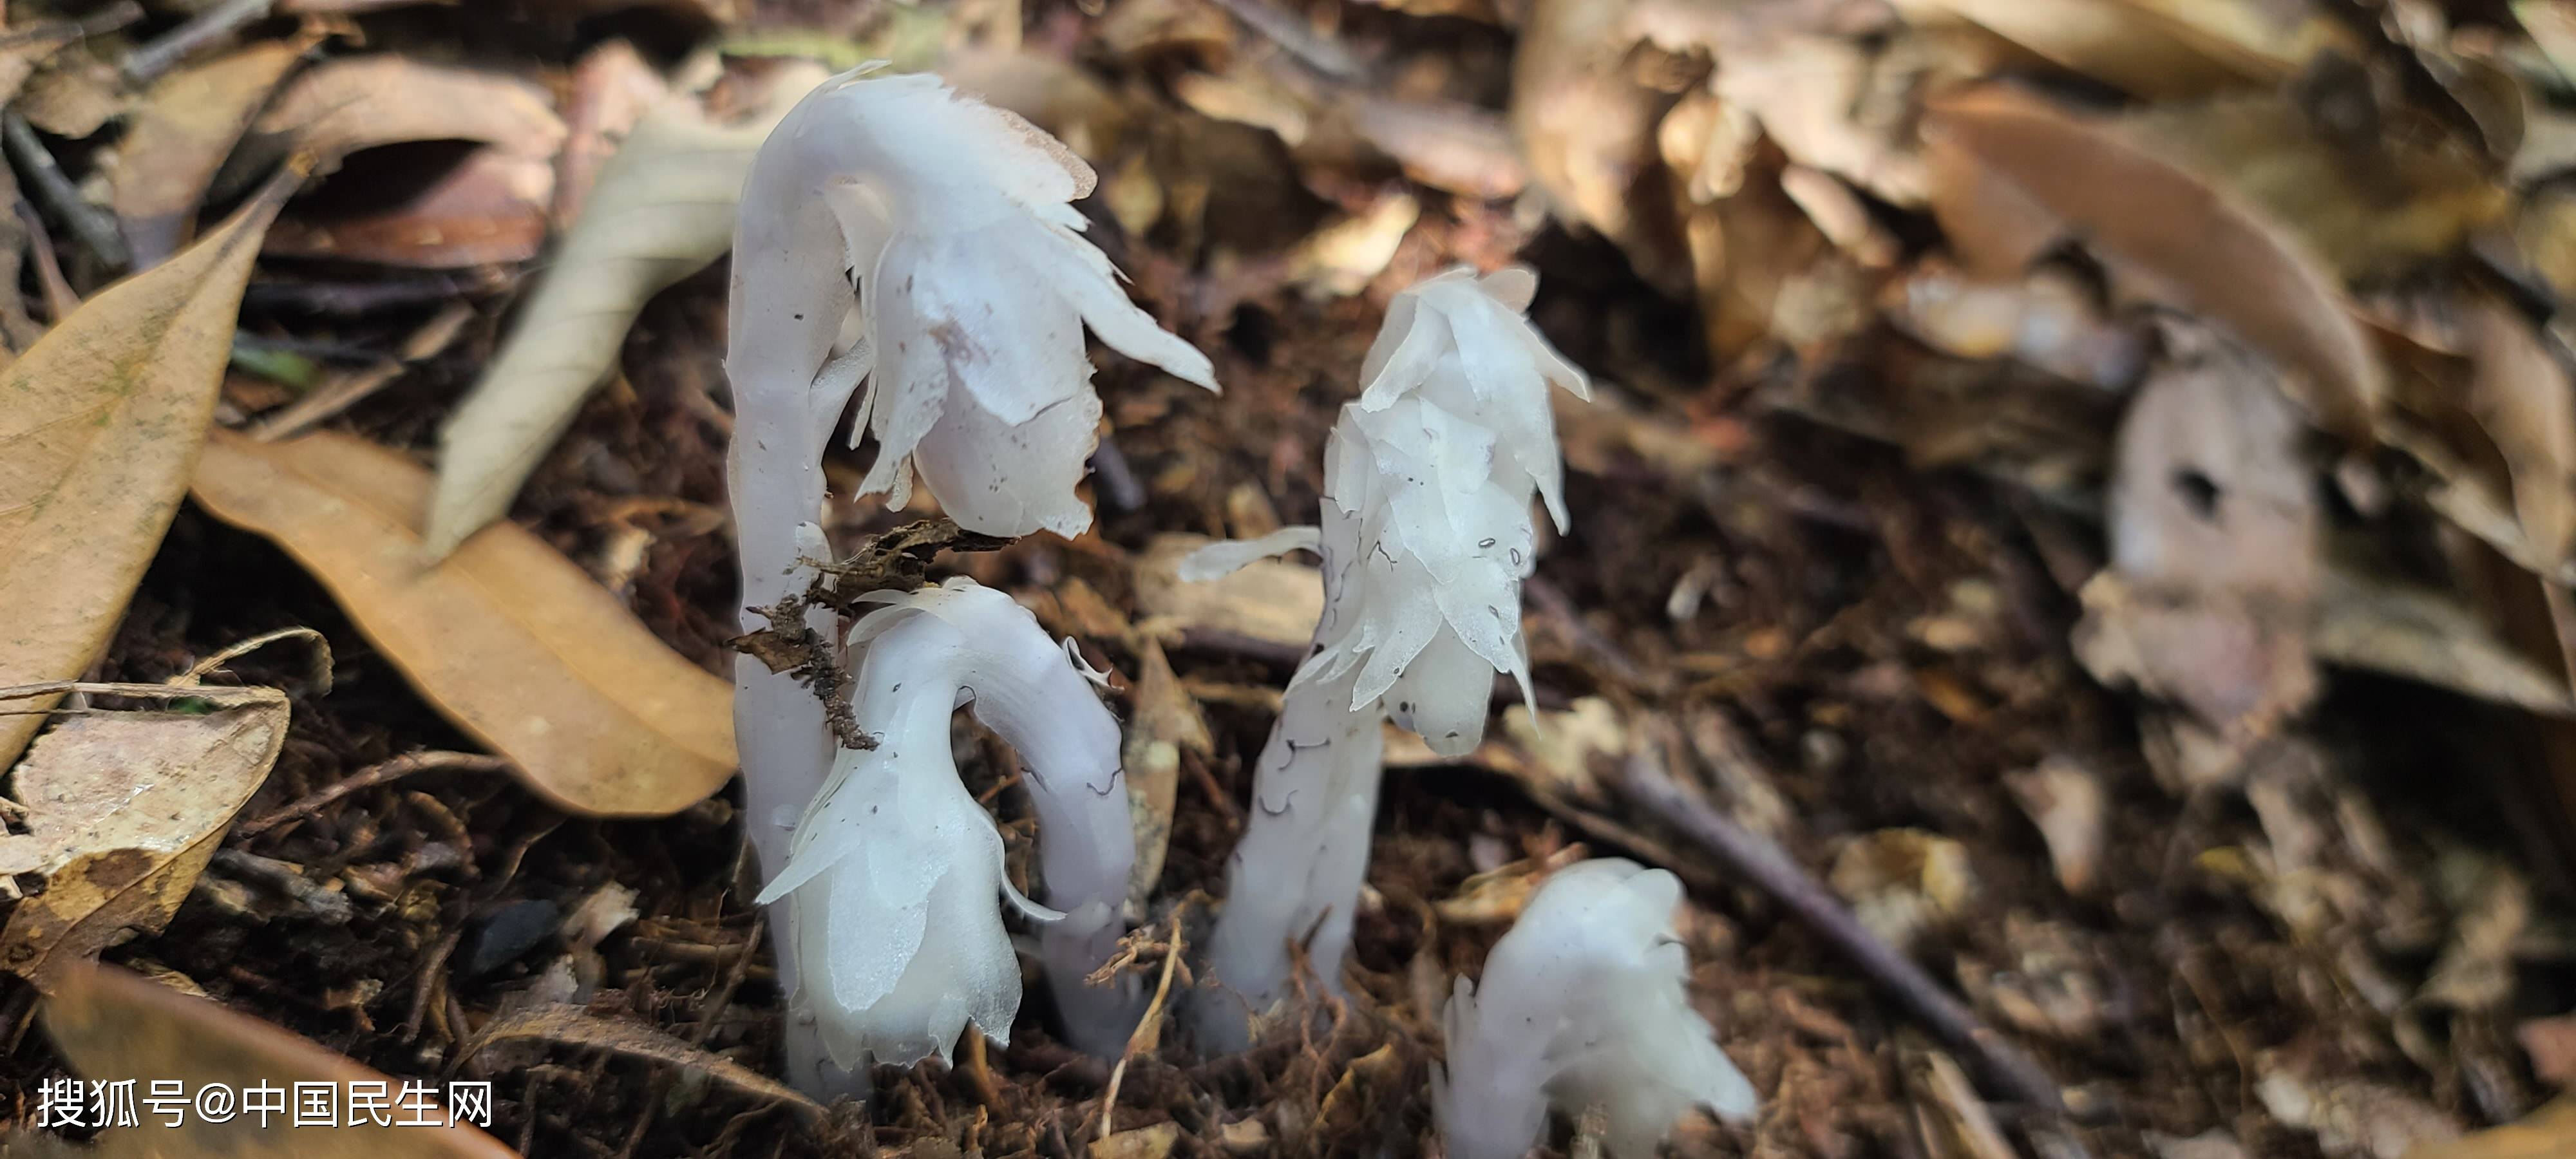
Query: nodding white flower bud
{"type": "Point", "coordinates": [894, 879]}
{"type": "Point", "coordinates": [1583, 1005]}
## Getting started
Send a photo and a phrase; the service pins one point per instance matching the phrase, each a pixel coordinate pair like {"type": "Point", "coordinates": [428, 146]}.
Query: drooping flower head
{"type": "Point", "coordinates": [894, 881]}
{"type": "Point", "coordinates": [1582, 1005]}
{"type": "Point", "coordinates": [974, 286]}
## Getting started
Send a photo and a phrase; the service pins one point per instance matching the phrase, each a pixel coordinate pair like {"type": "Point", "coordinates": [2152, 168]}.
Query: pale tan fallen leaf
{"type": "Point", "coordinates": [1586, 126]}
{"type": "Point", "coordinates": [1342, 258]}
{"type": "Point", "coordinates": [2152, 48]}
{"type": "Point", "coordinates": [123, 810]}
{"type": "Point", "coordinates": [1564, 746]}
{"type": "Point", "coordinates": [511, 641]}
{"type": "Point", "coordinates": [1154, 1142]}
{"type": "Point", "coordinates": [611, 89]}
{"type": "Point", "coordinates": [2551, 1044]}
{"type": "Point", "coordinates": [359, 102]}
{"type": "Point", "coordinates": [112, 1026]}
{"type": "Point", "coordinates": [1497, 896]}
{"type": "Point", "coordinates": [74, 95]}
{"type": "Point", "coordinates": [1904, 884]}
{"type": "Point", "coordinates": [2066, 801]}
{"type": "Point", "coordinates": [2548, 1133]}
{"type": "Point", "coordinates": [100, 424]}
{"type": "Point", "coordinates": [1163, 723]}
{"type": "Point", "coordinates": [573, 1026]}
{"type": "Point", "coordinates": [662, 210]}
{"type": "Point", "coordinates": [1270, 600]}
{"type": "Point", "coordinates": [2521, 398]}
{"type": "Point", "coordinates": [2354, 1118]}
{"type": "Point", "coordinates": [2010, 176]}
{"type": "Point", "coordinates": [187, 123]}
{"type": "Point", "coordinates": [2214, 545]}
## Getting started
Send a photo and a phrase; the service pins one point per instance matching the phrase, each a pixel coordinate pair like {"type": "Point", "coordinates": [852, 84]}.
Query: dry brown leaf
{"type": "Point", "coordinates": [488, 209]}
{"type": "Point", "coordinates": [1586, 126]}
{"type": "Point", "coordinates": [100, 424]}
{"type": "Point", "coordinates": [1269, 600]}
{"type": "Point", "coordinates": [1163, 723]}
{"type": "Point", "coordinates": [360, 102]}
{"type": "Point", "coordinates": [74, 95]}
{"type": "Point", "coordinates": [1154, 1142]}
{"type": "Point", "coordinates": [662, 210]}
{"type": "Point", "coordinates": [572, 1026]}
{"type": "Point", "coordinates": [2375, 192]}
{"type": "Point", "coordinates": [180, 135]}
{"type": "Point", "coordinates": [2548, 1133]}
{"type": "Point", "coordinates": [2427, 635]}
{"type": "Point", "coordinates": [116, 1026]}
{"type": "Point", "coordinates": [611, 90]}
{"type": "Point", "coordinates": [513, 642]}
{"type": "Point", "coordinates": [123, 810]}
{"type": "Point", "coordinates": [2152, 48]}
{"type": "Point", "coordinates": [2551, 1044]}
{"type": "Point", "coordinates": [2521, 397]}
{"type": "Point", "coordinates": [2214, 567]}
{"type": "Point", "coordinates": [2011, 175]}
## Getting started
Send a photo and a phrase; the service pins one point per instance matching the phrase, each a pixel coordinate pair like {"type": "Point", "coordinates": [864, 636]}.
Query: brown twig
{"type": "Point", "coordinates": [1762, 864]}
{"type": "Point", "coordinates": [376, 774]}
{"type": "Point", "coordinates": [146, 63]}
{"type": "Point", "coordinates": [95, 227]}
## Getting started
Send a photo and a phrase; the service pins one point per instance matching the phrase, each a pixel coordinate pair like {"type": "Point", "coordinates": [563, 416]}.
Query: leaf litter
{"type": "Point", "coordinates": [1956, 347]}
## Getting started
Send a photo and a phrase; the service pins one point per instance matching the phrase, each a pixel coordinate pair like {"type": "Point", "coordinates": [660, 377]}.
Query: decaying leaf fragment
{"type": "Point", "coordinates": [113, 1026]}
{"type": "Point", "coordinates": [360, 102]}
{"type": "Point", "coordinates": [510, 640]}
{"type": "Point", "coordinates": [662, 209]}
{"type": "Point", "coordinates": [1271, 600]}
{"type": "Point", "coordinates": [123, 810]}
{"type": "Point", "coordinates": [100, 422]}
{"type": "Point", "coordinates": [2213, 548]}
{"type": "Point", "coordinates": [2012, 177]}
{"type": "Point", "coordinates": [178, 137]}
{"type": "Point", "coordinates": [2153, 48]}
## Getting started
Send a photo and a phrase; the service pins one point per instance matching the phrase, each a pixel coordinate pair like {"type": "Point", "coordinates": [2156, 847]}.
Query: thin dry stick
{"type": "Point", "coordinates": [1762, 864]}
{"type": "Point", "coordinates": [1149, 1031]}
{"type": "Point", "coordinates": [373, 775]}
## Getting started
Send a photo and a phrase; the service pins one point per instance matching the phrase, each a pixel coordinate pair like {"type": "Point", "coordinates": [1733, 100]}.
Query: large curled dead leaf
{"type": "Point", "coordinates": [115, 1026]}
{"type": "Point", "coordinates": [510, 640]}
{"type": "Point", "coordinates": [663, 209]}
{"type": "Point", "coordinates": [2011, 177]}
{"type": "Point", "coordinates": [100, 423]}
{"type": "Point", "coordinates": [360, 102]}
{"type": "Point", "coordinates": [2547, 1133]}
{"type": "Point", "coordinates": [123, 811]}
{"type": "Point", "coordinates": [179, 136]}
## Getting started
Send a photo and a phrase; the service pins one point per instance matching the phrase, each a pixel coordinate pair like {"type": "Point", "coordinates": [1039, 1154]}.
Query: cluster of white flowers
{"type": "Point", "coordinates": [894, 878]}
{"type": "Point", "coordinates": [973, 287]}
{"type": "Point", "coordinates": [1582, 1006]}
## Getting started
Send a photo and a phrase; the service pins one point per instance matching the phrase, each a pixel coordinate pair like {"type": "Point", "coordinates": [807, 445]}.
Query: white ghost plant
{"type": "Point", "coordinates": [1426, 536]}
{"type": "Point", "coordinates": [1583, 1005]}
{"type": "Point", "coordinates": [893, 889]}
{"type": "Point", "coordinates": [972, 287]}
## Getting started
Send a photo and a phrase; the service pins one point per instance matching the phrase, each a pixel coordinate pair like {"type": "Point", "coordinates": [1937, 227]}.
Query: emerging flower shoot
{"type": "Point", "coordinates": [1426, 537]}
{"type": "Point", "coordinates": [1582, 1006]}
{"type": "Point", "coordinates": [894, 882]}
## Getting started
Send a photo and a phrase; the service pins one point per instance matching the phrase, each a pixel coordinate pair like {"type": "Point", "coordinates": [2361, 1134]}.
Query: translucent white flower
{"type": "Point", "coordinates": [894, 883]}
{"type": "Point", "coordinates": [1425, 535]}
{"type": "Point", "coordinates": [1429, 477]}
{"type": "Point", "coordinates": [1583, 1005]}
{"type": "Point", "coordinates": [974, 286]}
